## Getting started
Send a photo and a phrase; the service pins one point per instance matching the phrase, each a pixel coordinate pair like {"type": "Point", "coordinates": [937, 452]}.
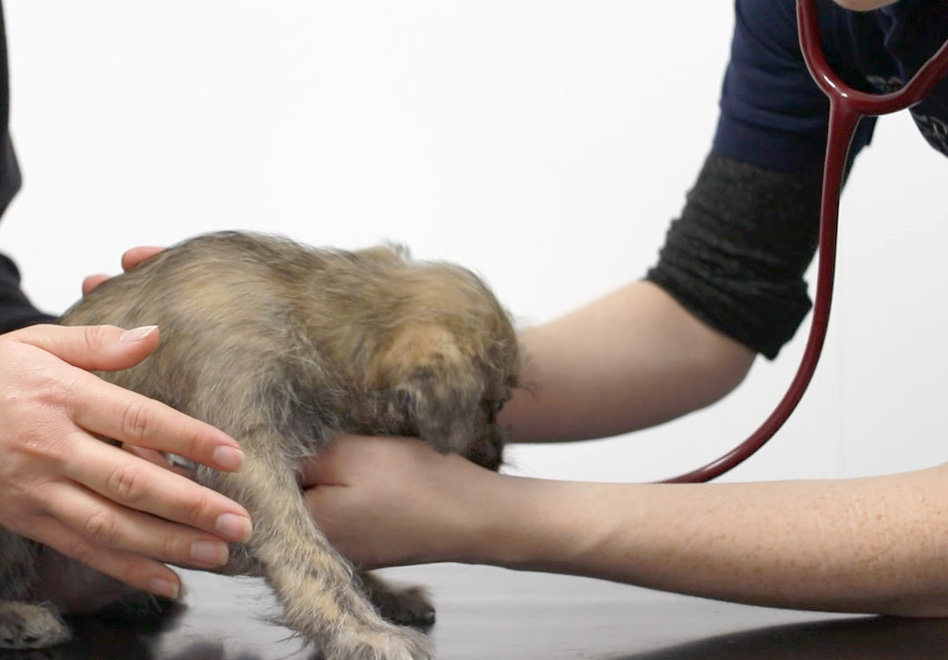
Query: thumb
{"type": "Point", "coordinates": [92, 347]}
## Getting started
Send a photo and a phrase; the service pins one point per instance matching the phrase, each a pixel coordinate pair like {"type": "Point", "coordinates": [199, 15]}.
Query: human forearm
{"type": "Point", "coordinates": [874, 545]}
{"type": "Point", "coordinates": [630, 360]}
{"type": "Point", "coordinates": [728, 284]}
{"type": "Point", "coordinates": [877, 545]}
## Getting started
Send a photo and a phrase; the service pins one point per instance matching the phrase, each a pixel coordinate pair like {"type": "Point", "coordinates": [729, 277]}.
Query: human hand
{"type": "Point", "coordinates": [393, 501]}
{"type": "Point", "coordinates": [130, 259]}
{"type": "Point", "coordinates": [61, 486]}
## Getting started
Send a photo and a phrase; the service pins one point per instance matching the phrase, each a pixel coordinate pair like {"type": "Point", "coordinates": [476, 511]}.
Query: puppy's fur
{"type": "Point", "coordinates": [284, 347]}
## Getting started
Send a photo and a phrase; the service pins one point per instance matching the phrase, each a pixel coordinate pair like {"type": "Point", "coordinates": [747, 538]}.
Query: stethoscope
{"type": "Point", "coordinates": [847, 106]}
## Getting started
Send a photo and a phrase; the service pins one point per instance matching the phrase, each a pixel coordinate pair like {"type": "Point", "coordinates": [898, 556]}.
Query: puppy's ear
{"type": "Point", "coordinates": [443, 406]}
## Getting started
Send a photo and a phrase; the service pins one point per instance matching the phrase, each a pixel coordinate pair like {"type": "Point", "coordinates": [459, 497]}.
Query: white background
{"type": "Point", "coordinates": [545, 144]}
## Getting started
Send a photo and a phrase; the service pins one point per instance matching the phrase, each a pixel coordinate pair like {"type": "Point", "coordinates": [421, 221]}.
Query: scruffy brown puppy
{"type": "Point", "coordinates": [284, 347]}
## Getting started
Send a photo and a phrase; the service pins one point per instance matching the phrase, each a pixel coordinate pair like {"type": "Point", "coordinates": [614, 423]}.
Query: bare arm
{"type": "Point", "coordinates": [875, 545]}
{"type": "Point", "coordinates": [637, 357]}
{"type": "Point", "coordinates": [630, 360]}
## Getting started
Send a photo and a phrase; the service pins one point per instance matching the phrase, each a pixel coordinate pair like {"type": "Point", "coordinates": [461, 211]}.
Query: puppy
{"type": "Point", "coordinates": [284, 347]}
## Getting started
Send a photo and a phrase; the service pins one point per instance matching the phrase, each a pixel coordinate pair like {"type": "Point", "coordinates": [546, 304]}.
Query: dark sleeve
{"type": "Point", "coordinates": [737, 255]}
{"type": "Point", "coordinates": [16, 311]}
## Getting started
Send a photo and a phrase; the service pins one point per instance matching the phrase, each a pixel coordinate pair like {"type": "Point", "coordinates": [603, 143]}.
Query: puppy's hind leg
{"type": "Point", "coordinates": [320, 597]}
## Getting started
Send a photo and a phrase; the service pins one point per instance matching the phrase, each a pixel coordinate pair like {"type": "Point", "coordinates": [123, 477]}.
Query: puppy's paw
{"type": "Point", "coordinates": [391, 643]}
{"type": "Point", "coordinates": [29, 626]}
{"type": "Point", "coordinates": [406, 606]}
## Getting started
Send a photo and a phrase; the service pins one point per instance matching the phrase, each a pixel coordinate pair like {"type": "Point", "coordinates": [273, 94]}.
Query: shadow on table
{"type": "Point", "coordinates": [101, 638]}
{"type": "Point", "coordinates": [865, 638]}
{"type": "Point", "coordinates": [96, 637]}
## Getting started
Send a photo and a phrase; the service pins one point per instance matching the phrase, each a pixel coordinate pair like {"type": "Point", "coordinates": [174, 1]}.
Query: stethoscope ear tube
{"type": "Point", "coordinates": [847, 106]}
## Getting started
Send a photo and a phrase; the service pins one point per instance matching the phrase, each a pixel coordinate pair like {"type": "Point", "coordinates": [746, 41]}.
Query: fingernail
{"type": "Point", "coordinates": [227, 457]}
{"type": "Point", "coordinates": [137, 334]}
{"type": "Point", "coordinates": [163, 587]}
{"type": "Point", "coordinates": [233, 527]}
{"type": "Point", "coordinates": [213, 553]}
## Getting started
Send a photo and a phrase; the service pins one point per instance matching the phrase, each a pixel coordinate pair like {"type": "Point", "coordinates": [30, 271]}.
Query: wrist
{"type": "Point", "coordinates": [470, 515]}
{"type": "Point", "coordinates": [536, 524]}
{"type": "Point", "coordinates": [459, 511]}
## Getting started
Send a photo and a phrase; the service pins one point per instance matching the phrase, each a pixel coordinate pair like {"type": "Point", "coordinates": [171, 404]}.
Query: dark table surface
{"type": "Point", "coordinates": [492, 614]}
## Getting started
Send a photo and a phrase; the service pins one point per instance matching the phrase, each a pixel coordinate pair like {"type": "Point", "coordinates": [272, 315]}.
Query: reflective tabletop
{"type": "Point", "coordinates": [487, 613]}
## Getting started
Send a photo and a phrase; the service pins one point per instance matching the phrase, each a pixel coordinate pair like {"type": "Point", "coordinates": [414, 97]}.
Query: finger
{"type": "Point", "coordinates": [91, 282]}
{"type": "Point", "coordinates": [127, 417]}
{"type": "Point", "coordinates": [111, 411]}
{"type": "Point", "coordinates": [131, 259]}
{"type": "Point", "coordinates": [93, 347]}
{"type": "Point", "coordinates": [348, 457]}
{"type": "Point", "coordinates": [134, 570]}
{"type": "Point", "coordinates": [102, 523]}
{"type": "Point", "coordinates": [137, 255]}
{"type": "Point", "coordinates": [326, 468]}
{"type": "Point", "coordinates": [157, 458]}
{"type": "Point", "coordinates": [310, 473]}
{"type": "Point", "coordinates": [145, 487]}
{"type": "Point", "coordinates": [149, 455]}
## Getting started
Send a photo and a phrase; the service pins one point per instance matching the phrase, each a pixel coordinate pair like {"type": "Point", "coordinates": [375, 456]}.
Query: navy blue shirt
{"type": "Point", "coordinates": [772, 113]}
{"type": "Point", "coordinates": [737, 256]}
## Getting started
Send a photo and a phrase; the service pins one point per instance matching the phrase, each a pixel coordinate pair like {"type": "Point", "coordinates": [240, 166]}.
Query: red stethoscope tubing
{"type": "Point", "coordinates": [847, 106]}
